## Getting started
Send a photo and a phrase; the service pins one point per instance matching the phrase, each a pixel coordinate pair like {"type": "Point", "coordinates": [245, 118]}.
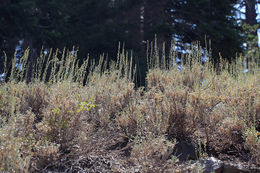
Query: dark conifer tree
{"type": "Point", "coordinates": [195, 19]}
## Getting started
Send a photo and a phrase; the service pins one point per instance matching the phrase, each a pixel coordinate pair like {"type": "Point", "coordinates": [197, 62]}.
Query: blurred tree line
{"type": "Point", "coordinates": [97, 26]}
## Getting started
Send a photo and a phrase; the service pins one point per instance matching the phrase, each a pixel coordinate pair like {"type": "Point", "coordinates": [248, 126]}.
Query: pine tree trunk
{"type": "Point", "coordinates": [251, 18]}
{"type": "Point", "coordinates": [251, 12]}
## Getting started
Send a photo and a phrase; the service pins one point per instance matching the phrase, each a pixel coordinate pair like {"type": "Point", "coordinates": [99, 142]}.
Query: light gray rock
{"type": "Point", "coordinates": [217, 166]}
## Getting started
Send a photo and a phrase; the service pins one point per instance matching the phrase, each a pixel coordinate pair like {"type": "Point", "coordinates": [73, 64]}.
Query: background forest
{"type": "Point", "coordinates": [227, 27]}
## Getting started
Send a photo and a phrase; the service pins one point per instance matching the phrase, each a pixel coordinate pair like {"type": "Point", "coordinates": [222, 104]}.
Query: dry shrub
{"type": "Point", "coordinates": [20, 97]}
{"type": "Point", "coordinates": [186, 78]}
{"type": "Point", "coordinates": [181, 105]}
{"type": "Point", "coordinates": [227, 136]}
{"type": "Point", "coordinates": [157, 79]}
{"type": "Point", "coordinates": [150, 154]}
{"type": "Point", "coordinates": [10, 99]}
{"type": "Point", "coordinates": [173, 110]}
{"type": "Point", "coordinates": [34, 97]}
{"type": "Point", "coordinates": [152, 113]}
{"type": "Point", "coordinates": [62, 123]}
{"type": "Point", "coordinates": [43, 140]}
{"type": "Point", "coordinates": [2, 107]}
{"type": "Point", "coordinates": [220, 107]}
{"type": "Point", "coordinates": [14, 154]}
{"type": "Point", "coordinates": [180, 123]}
{"type": "Point", "coordinates": [243, 101]}
{"type": "Point", "coordinates": [43, 125]}
{"type": "Point", "coordinates": [253, 144]}
{"type": "Point", "coordinates": [23, 149]}
{"type": "Point", "coordinates": [258, 115]}
{"type": "Point", "coordinates": [194, 76]}
{"type": "Point", "coordinates": [62, 119]}
{"type": "Point", "coordinates": [130, 121]}
{"type": "Point", "coordinates": [14, 157]}
{"type": "Point", "coordinates": [112, 95]}
{"type": "Point", "coordinates": [45, 153]}
{"type": "Point", "coordinates": [154, 108]}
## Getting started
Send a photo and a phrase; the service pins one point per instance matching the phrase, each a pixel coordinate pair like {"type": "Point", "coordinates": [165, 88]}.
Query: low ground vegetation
{"type": "Point", "coordinates": [56, 122]}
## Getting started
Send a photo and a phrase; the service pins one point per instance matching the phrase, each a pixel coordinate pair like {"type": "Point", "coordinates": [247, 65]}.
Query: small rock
{"type": "Point", "coordinates": [184, 151]}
